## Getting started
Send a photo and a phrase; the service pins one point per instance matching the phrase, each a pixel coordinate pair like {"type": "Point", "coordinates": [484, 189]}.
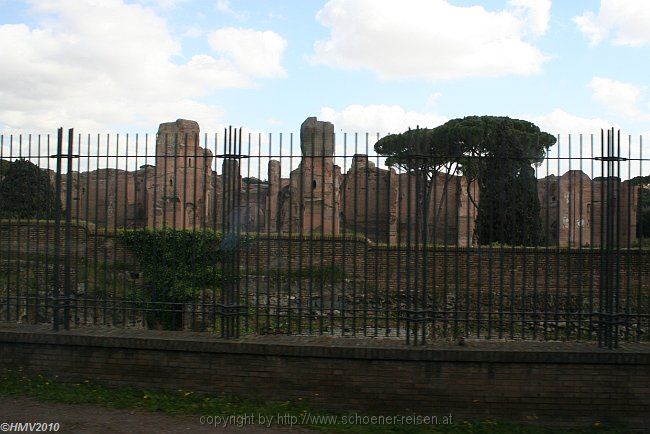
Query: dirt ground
{"type": "Point", "coordinates": [80, 418]}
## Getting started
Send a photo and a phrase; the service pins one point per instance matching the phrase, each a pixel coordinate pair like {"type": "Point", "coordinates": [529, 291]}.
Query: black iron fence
{"type": "Point", "coordinates": [241, 233]}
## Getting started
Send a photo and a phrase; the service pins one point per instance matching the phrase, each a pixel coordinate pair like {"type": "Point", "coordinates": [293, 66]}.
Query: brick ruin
{"type": "Point", "coordinates": [183, 191]}
{"type": "Point", "coordinates": [311, 201]}
{"type": "Point", "coordinates": [175, 192]}
{"type": "Point", "coordinates": [573, 213]}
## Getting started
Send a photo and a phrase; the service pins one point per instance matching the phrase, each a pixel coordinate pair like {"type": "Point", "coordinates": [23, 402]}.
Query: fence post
{"type": "Point", "coordinates": [609, 319]}
{"type": "Point", "coordinates": [57, 300]}
{"type": "Point", "coordinates": [231, 306]}
{"type": "Point", "coordinates": [68, 234]}
{"type": "Point", "coordinates": [57, 233]}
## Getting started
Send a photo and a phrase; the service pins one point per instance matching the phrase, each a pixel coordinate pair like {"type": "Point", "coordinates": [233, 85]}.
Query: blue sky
{"type": "Point", "coordinates": [367, 65]}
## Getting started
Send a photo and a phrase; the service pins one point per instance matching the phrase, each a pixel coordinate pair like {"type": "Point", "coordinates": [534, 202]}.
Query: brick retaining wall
{"type": "Point", "coordinates": [544, 382]}
{"type": "Point", "coordinates": [444, 268]}
{"type": "Point", "coordinates": [36, 238]}
{"type": "Point", "coordinates": [450, 268]}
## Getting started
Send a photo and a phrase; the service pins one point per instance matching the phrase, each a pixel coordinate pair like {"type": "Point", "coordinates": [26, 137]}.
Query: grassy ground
{"type": "Point", "coordinates": [16, 383]}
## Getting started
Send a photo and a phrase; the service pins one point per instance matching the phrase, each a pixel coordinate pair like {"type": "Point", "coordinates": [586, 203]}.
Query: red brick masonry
{"type": "Point", "coordinates": [541, 382]}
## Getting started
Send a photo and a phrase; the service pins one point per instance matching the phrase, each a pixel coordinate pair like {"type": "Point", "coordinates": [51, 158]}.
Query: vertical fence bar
{"type": "Point", "coordinates": [592, 233]}
{"type": "Point", "coordinates": [4, 260]}
{"type": "Point", "coordinates": [399, 305]}
{"type": "Point", "coordinates": [85, 194]}
{"type": "Point", "coordinates": [96, 235]}
{"type": "Point", "coordinates": [602, 247]}
{"type": "Point", "coordinates": [275, 219]}
{"type": "Point", "coordinates": [568, 304]}
{"type": "Point", "coordinates": [641, 234]}
{"type": "Point", "coordinates": [139, 185]}
{"type": "Point", "coordinates": [365, 241]}
{"type": "Point", "coordinates": [336, 213]}
{"type": "Point", "coordinates": [77, 200]}
{"type": "Point", "coordinates": [39, 228]}
{"type": "Point", "coordinates": [215, 228]}
{"type": "Point", "coordinates": [642, 241]}
{"type": "Point", "coordinates": [67, 282]}
{"type": "Point", "coordinates": [56, 320]}
{"type": "Point", "coordinates": [558, 235]}
{"type": "Point", "coordinates": [408, 291]}
{"type": "Point", "coordinates": [28, 227]}
{"type": "Point", "coordinates": [310, 188]}
{"type": "Point", "coordinates": [392, 311]}
{"type": "Point", "coordinates": [322, 192]}
{"type": "Point", "coordinates": [272, 278]}
{"type": "Point", "coordinates": [344, 238]}
{"type": "Point", "coordinates": [289, 227]}
{"type": "Point", "coordinates": [150, 314]}
{"type": "Point", "coordinates": [300, 229]}
{"type": "Point", "coordinates": [378, 240]}
{"type": "Point", "coordinates": [247, 247]}
{"type": "Point", "coordinates": [205, 263]}
{"type": "Point", "coordinates": [628, 244]}
{"type": "Point", "coordinates": [19, 240]}
{"type": "Point", "coordinates": [236, 308]}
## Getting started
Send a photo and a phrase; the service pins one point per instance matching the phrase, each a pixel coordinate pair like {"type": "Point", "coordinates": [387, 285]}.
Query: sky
{"type": "Point", "coordinates": [368, 66]}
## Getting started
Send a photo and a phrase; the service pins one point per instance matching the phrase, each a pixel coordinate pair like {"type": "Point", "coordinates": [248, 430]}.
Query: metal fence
{"type": "Point", "coordinates": [242, 233]}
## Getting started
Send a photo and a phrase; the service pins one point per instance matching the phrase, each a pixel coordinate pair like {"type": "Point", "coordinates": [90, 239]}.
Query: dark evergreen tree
{"type": "Point", "coordinates": [423, 154]}
{"type": "Point", "coordinates": [26, 191]}
{"type": "Point", "coordinates": [498, 153]}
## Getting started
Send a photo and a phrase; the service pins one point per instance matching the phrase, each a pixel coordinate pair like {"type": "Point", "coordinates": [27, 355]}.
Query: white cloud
{"type": "Point", "coordinates": [371, 122]}
{"type": "Point", "coordinates": [224, 7]}
{"type": "Point", "coordinates": [440, 41]}
{"type": "Point", "coordinates": [254, 52]}
{"type": "Point", "coordinates": [623, 98]}
{"type": "Point", "coordinates": [387, 119]}
{"type": "Point", "coordinates": [96, 64]}
{"type": "Point", "coordinates": [628, 20]}
{"type": "Point", "coordinates": [591, 28]}
{"type": "Point", "coordinates": [192, 32]}
{"type": "Point", "coordinates": [433, 99]}
{"type": "Point", "coordinates": [395, 119]}
{"type": "Point", "coordinates": [575, 152]}
{"type": "Point", "coordinates": [535, 13]}
{"type": "Point", "coordinates": [559, 122]}
{"type": "Point", "coordinates": [382, 119]}
{"type": "Point", "coordinates": [162, 4]}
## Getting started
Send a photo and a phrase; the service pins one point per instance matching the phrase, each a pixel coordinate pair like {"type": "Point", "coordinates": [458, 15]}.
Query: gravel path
{"type": "Point", "coordinates": [81, 418]}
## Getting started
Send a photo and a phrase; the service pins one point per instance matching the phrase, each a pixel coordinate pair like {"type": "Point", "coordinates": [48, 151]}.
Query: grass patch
{"type": "Point", "coordinates": [17, 383]}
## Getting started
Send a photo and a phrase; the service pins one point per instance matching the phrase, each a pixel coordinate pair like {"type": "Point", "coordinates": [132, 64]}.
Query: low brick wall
{"type": "Point", "coordinates": [547, 383]}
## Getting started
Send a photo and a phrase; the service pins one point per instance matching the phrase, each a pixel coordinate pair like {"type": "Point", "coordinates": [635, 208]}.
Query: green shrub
{"type": "Point", "coordinates": [176, 266]}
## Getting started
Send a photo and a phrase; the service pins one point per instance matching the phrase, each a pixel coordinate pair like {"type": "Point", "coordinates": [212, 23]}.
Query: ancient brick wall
{"type": "Point", "coordinates": [450, 268]}
{"type": "Point", "coordinates": [369, 200]}
{"type": "Point", "coordinates": [106, 197]}
{"type": "Point", "coordinates": [177, 192]}
{"type": "Point", "coordinates": [35, 239]}
{"type": "Point", "coordinates": [543, 383]}
{"type": "Point", "coordinates": [312, 198]}
{"type": "Point", "coordinates": [573, 212]}
{"type": "Point", "coordinates": [183, 191]}
{"type": "Point", "coordinates": [445, 269]}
